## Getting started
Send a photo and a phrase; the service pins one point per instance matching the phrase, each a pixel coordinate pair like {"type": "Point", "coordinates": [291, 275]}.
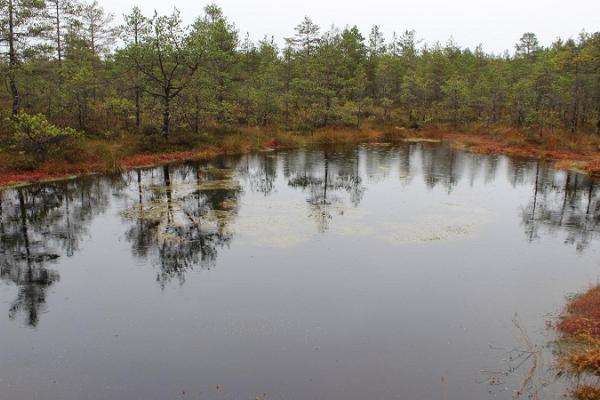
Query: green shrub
{"type": "Point", "coordinates": [72, 151]}
{"type": "Point", "coordinates": [22, 162]}
{"type": "Point", "coordinates": [34, 135]}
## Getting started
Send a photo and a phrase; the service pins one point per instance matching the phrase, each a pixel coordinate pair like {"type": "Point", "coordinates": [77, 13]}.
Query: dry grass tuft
{"type": "Point", "coordinates": [586, 392]}
{"type": "Point", "coordinates": [586, 361]}
{"type": "Point", "coordinates": [579, 344]}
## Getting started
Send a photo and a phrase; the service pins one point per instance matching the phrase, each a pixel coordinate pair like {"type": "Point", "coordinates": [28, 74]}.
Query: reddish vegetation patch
{"type": "Point", "coordinates": [593, 166]}
{"type": "Point", "coordinates": [491, 145]}
{"type": "Point", "coordinates": [54, 170]}
{"type": "Point", "coordinates": [142, 160]}
{"type": "Point", "coordinates": [502, 143]}
{"type": "Point", "coordinates": [578, 325]}
{"type": "Point", "coordinates": [49, 170]}
{"type": "Point", "coordinates": [583, 319]}
{"type": "Point", "coordinates": [586, 392]}
{"type": "Point", "coordinates": [586, 155]}
{"type": "Point", "coordinates": [271, 144]}
{"type": "Point", "coordinates": [586, 361]}
{"type": "Point", "coordinates": [580, 340]}
{"type": "Point", "coordinates": [583, 315]}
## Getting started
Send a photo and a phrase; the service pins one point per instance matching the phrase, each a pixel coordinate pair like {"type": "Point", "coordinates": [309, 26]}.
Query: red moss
{"type": "Point", "coordinates": [587, 361]}
{"type": "Point", "coordinates": [56, 170]}
{"type": "Point", "coordinates": [49, 170]}
{"type": "Point", "coordinates": [271, 144]}
{"type": "Point", "coordinates": [586, 392]}
{"type": "Point", "coordinates": [506, 142]}
{"type": "Point", "coordinates": [583, 315]}
{"type": "Point", "coordinates": [142, 160]}
{"type": "Point", "coordinates": [577, 325]}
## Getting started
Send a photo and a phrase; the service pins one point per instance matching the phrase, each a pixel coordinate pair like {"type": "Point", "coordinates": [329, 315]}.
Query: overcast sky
{"type": "Point", "coordinates": [495, 24]}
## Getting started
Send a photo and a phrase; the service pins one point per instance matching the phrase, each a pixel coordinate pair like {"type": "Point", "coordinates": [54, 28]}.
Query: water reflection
{"type": "Point", "coordinates": [260, 171]}
{"type": "Point", "coordinates": [323, 180]}
{"type": "Point", "coordinates": [563, 201]}
{"type": "Point", "coordinates": [38, 225]}
{"type": "Point", "coordinates": [178, 218]}
{"type": "Point", "coordinates": [181, 218]}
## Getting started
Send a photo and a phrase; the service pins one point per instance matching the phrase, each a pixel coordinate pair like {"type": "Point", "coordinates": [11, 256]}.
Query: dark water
{"type": "Point", "coordinates": [370, 272]}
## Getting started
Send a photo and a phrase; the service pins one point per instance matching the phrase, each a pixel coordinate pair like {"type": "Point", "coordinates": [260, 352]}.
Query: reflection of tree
{"type": "Point", "coordinates": [260, 171]}
{"type": "Point", "coordinates": [440, 166]}
{"type": "Point", "coordinates": [519, 171]}
{"type": "Point", "coordinates": [563, 201]}
{"type": "Point", "coordinates": [324, 182]}
{"type": "Point", "coordinates": [38, 224]}
{"type": "Point", "coordinates": [183, 221]}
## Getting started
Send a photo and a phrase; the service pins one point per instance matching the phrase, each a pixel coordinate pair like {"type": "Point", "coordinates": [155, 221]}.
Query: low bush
{"type": "Point", "coordinates": [35, 136]}
{"type": "Point", "coordinates": [71, 151]}
{"type": "Point", "coordinates": [20, 161]}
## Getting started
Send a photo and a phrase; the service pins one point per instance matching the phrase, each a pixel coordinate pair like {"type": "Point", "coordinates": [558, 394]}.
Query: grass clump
{"type": "Point", "coordinates": [579, 341]}
{"type": "Point", "coordinates": [240, 143]}
{"type": "Point", "coordinates": [586, 392]}
{"type": "Point", "coordinates": [21, 161]}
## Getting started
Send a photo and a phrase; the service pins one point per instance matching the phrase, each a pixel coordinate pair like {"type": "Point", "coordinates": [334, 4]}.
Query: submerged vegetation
{"type": "Point", "coordinates": [86, 93]}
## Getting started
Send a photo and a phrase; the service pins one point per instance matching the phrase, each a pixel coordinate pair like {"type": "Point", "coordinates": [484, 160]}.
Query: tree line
{"type": "Point", "coordinates": [70, 62]}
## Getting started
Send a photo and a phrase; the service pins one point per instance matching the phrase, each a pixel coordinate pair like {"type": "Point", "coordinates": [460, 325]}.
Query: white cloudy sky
{"type": "Point", "coordinates": [495, 24]}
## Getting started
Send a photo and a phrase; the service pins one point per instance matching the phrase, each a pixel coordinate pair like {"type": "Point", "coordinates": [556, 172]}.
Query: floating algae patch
{"type": "Point", "coordinates": [210, 179]}
{"type": "Point", "coordinates": [221, 184]}
{"type": "Point", "coordinates": [284, 224]}
{"type": "Point", "coordinates": [186, 188]}
{"type": "Point", "coordinates": [218, 173]}
{"type": "Point", "coordinates": [457, 222]}
{"type": "Point", "coordinates": [275, 224]}
{"type": "Point", "coordinates": [150, 211]}
{"type": "Point", "coordinates": [171, 222]}
{"type": "Point", "coordinates": [355, 222]}
{"type": "Point", "coordinates": [429, 229]}
{"type": "Point", "coordinates": [421, 140]}
{"type": "Point", "coordinates": [229, 204]}
{"type": "Point", "coordinates": [377, 144]}
{"type": "Point", "coordinates": [178, 204]}
{"type": "Point", "coordinates": [453, 222]}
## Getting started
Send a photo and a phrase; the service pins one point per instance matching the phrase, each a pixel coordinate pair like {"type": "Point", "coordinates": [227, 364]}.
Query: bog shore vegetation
{"type": "Point", "coordinates": [82, 156]}
{"type": "Point", "coordinates": [86, 91]}
{"type": "Point", "coordinates": [579, 343]}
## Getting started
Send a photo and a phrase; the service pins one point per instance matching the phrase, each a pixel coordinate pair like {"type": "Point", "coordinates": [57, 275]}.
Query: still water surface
{"type": "Point", "coordinates": [368, 272]}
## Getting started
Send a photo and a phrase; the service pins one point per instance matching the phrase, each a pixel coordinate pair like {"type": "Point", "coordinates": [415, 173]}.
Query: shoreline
{"type": "Point", "coordinates": [52, 171]}
{"type": "Point", "coordinates": [578, 344]}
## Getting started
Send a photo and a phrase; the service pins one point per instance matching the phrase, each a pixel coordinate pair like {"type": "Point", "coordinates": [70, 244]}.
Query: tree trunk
{"type": "Point", "coordinates": [138, 112]}
{"type": "Point", "coordinates": [166, 115]}
{"type": "Point", "coordinates": [575, 106]}
{"type": "Point", "coordinates": [81, 113]}
{"type": "Point", "coordinates": [196, 114]}
{"type": "Point", "coordinates": [138, 89]}
{"type": "Point", "coordinates": [12, 57]}
{"type": "Point", "coordinates": [58, 39]}
{"type": "Point", "coordinates": [327, 110]}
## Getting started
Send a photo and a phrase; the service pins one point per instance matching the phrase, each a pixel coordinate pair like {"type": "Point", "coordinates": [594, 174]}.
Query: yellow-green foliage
{"type": "Point", "coordinates": [35, 135]}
